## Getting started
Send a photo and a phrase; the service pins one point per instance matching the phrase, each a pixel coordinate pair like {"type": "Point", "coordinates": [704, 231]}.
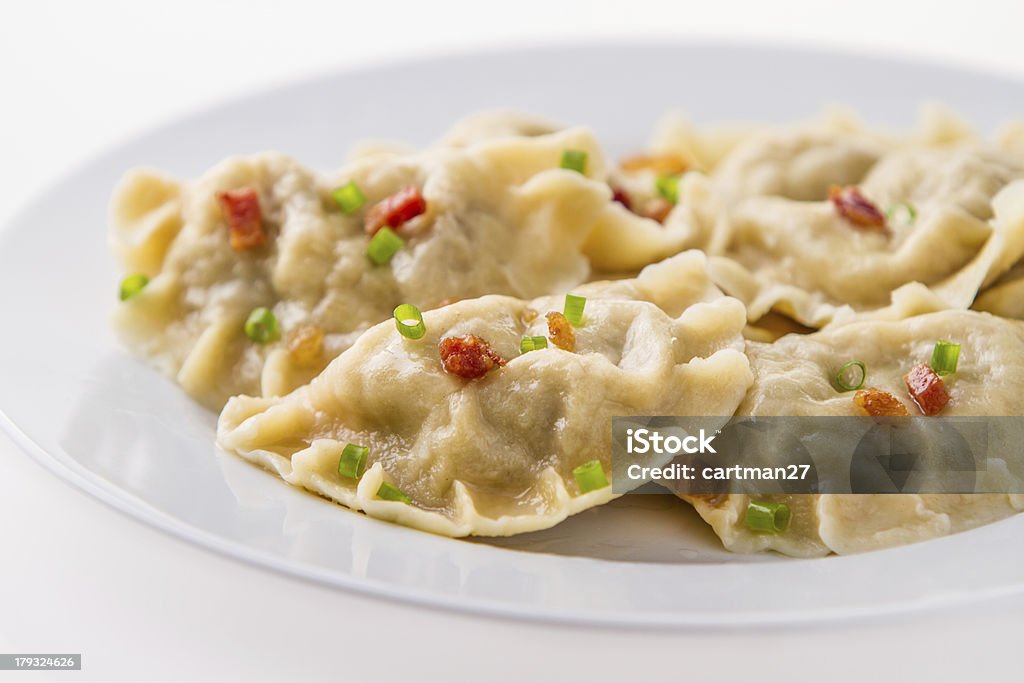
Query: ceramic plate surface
{"type": "Point", "coordinates": [102, 419]}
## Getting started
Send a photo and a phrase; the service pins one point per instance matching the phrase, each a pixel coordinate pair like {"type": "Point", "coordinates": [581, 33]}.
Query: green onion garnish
{"type": "Point", "coordinates": [574, 160]}
{"type": "Point", "coordinates": [590, 476]}
{"type": "Point", "coordinates": [768, 518]}
{"type": "Point", "coordinates": [903, 210]}
{"type": "Point", "coordinates": [409, 321]}
{"type": "Point", "coordinates": [384, 245]}
{"type": "Point", "coordinates": [533, 344]}
{"type": "Point", "coordinates": [391, 492]}
{"type": "Point", "coordinates": [132, 285]}
{"type": "Point", "coordinates": [573, 310]}
{"type": "Point", "coordinates": [945, 357]}
{"type": "Point", "coordinates": [352, 463]}
{"type": "Point", "coordinates": [668, 187]}
{"type": "Point", "coordinates": [262, 327]}
{"type": "Point", "coordinates": [851, 376]}
{"type": "Point", "coordinates": [349, 197]}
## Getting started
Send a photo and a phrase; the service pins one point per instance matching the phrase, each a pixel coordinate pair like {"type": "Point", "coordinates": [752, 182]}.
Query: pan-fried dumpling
{"type": "Point", "coordinates": [793, 376]}
{"type": "Point", "coordinates": [806, 259]}
{"type": "Point", "coordinates": [500, 217]}
{"type": "Point", "coordinates": [496, 454]}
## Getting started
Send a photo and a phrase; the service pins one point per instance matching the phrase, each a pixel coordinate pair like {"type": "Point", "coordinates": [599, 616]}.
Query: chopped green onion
{"type": "Point", "coordinates": [391, 492]}
{"type": "Point", "coordinates": [590, 476]}
{"type": "Point", "coordinates": [262, 327]}
{"type": "Point", "coordinates": [574, 160]}
{"type": "Point", "coordinates": [384, 245]}
{"type": "Point", "coordinates": [945, 357]}
{"type": "Point", "coordinates": [668, 187]}
{"type": "Point", "coordinates": [903, 210]}
{"type": "Point", "coordinates": [533, 344]}
{"type": "Point", "coordinates": [573, 310]}
{"type": "Point", "coordinates": [352, 463]}
{"type": "Point", "coordinates": [349, 197]}
{"type": "Point", "coordinates": [851, 376]}
{"type": "Point", "coordinates": [132, 285]}
{"type": "Point", "coordinates": [409, 321]}
{"type": "Point", "coordinates": [768, 518]}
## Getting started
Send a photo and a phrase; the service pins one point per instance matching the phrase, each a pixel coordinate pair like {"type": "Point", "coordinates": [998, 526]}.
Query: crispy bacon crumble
{"type": "Point", "coordinates": [560, 331]}
{"type": "Point", "coordinates": [657, 209]}
{"type": "Point", "coordinates": [622, 197]}
{"type": "Point", "coordinates": [857, 209]}
{"type": "Point", "coordinates": [468, 356]}
{"type": "Point", "coordinates": [395, 210]}
{"type": "Point", "coordinates": [305, 345]}
{"type": "Point", "coordinates": [878, 403]}
{"type": "Point", "coordinates": [662, 164]}
{"type": "Point", "coordinates": [927, 389]}
{"type": "Point", "coordinates": [245, 219]}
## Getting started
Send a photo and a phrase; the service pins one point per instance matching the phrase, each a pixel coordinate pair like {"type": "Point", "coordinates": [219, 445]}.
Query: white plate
{"type": "Point", "coordinates": [106, 422]}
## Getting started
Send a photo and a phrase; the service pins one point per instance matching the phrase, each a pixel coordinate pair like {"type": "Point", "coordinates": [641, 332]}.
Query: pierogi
{"type": "Point", "coordinates": [495, 453]}
{"type": "Point", "coordinates": [794, 376]}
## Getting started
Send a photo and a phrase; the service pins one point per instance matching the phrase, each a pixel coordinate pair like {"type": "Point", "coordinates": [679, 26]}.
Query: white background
{"type": "Point", "coordinates": [77, 577]}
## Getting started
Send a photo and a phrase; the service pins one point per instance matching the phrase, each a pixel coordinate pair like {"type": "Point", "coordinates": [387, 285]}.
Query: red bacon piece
{"type": "Point", "coordinates": [927, 389]}
{"type": "Point", "coordinates": [622, 197]}
{"type": "Point", "coordinates": [468, 356]}
{"type": "Point", "coordinates": [395, 210]}
{"type": "Point", "coordinates": [856, 208]}
{"type": "Point", "coordinates": [242, 212]}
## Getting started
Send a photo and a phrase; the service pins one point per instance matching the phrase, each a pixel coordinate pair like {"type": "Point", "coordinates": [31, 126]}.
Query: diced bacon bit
{"type": "Point", "coordinates": [242, 212]}
{"type": "Point", "coordinates": [560, 331]}
{"type": "Point", "coordinates": [468, 356]}
{"type": "Point", "coordinates": [878, 403]}
{"type": "Point", "coordinates": [927, 389]}
{"type": "Point", "coordinates": [856, 208]}
{"type": "Point", "coordinates": [622, 197]}
{"type": "Point", "coordinates": [657, 209]}
{"type": "Point", "coordinates": [662, 164]}
{"type": "Point", "coordinates": [305, 344]}
{"type": "Point", "coordinates": [395, 210]}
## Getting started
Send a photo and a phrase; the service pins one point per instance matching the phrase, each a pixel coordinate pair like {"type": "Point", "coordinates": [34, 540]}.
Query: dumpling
{"type": "Point", "coordinates": [798, 163]}
{"type": "Point", "coordinates": [966, 177]}
{"type": "Point", "coordinates": [1006, 296]}
{"type": "Point", "coordinates": [807, 260]}
{"type": "Point", "coordinates": [495, 454]}
{"type": "Point", "coordinates": [793, 376]}
{"type": "Point", "coordinates": [498, 217]}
